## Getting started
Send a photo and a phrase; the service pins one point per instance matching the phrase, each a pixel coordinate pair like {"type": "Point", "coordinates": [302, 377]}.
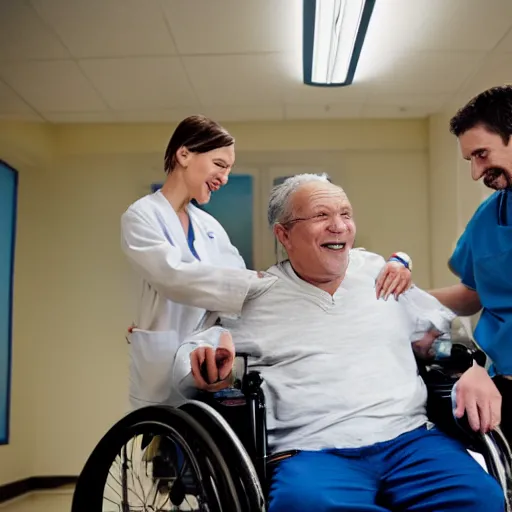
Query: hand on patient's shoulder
{"type": "Point", "coordinates": [394, 279]}
{"type": "Point", "coordinates": [211, 368]}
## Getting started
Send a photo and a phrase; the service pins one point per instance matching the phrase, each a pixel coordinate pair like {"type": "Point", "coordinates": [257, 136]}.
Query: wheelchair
{"type": "Point", "coordinates": [211, 454]}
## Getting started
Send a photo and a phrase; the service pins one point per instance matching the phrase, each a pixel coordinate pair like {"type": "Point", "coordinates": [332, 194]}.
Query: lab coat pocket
{"type": "Point", "coordinates": [151, 366]}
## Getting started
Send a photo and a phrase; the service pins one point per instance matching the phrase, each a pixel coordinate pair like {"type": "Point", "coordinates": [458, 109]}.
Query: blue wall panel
{"type": "Point", "coordinates": [8, 196]}
{"type": "Point", "coordinates": [232, 206]}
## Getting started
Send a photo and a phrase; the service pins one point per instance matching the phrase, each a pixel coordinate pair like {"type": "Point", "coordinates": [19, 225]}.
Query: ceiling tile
{"type": "Point", "coordinates": [505, 45]}
{"type": "Point", "coordinates": [52, 86]}
{"type": "Point", "coordinates": [391, 112]}
{"type": "Point", "coordinates": [23, 35]}
{"type": "Point", "coordinates": [234, 26]}
{"type": "Point", "coordinates": [300, 93]}
{"type": "Point", "coordinates": [419, 56]}
{"type": "Point", "coordinates": [106, 116]}
{"type": "Point", "coordinates": [28, 117]}
{"type": "Point", "coordinates": [427, 73]}
{"type": "Point", "coordinates": [431, 101]}
{"type": "Point", "coordinates": [496, 70]}
{"type": "Point", "coordinates": [242, 113]}
{"type": "Point", "coordinates": [143, 83]}
{"type": "Point", "coordinates": [399, 26]}
{"type": "Point", "coordinates": [333, 111]}
{"type": "Point", "coordinates": [156, 116]}
{"type": "Point", "coordinates": [108, 28]}
{"type": "Point", "coordinates": [474, 25]}
{"type": "Point", "coordinates": [237, 79]}
{"type": "Point", "coordinates": [11, 103]}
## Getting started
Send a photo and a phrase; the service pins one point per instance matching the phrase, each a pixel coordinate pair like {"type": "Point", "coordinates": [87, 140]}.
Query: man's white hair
{"type": "Point", "coordinates": [279, 210]}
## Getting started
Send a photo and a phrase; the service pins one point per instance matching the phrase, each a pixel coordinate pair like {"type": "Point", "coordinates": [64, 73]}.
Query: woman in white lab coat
{"type": "Point", "coordinates": [184, 256]}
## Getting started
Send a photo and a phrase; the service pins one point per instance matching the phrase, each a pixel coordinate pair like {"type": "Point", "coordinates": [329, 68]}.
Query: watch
{"type": "Point", "coordinates": [402, 258]}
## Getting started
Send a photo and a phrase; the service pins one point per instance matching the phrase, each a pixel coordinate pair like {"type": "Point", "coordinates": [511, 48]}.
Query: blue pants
{"type": "Point", "coordinates": [421, 471]}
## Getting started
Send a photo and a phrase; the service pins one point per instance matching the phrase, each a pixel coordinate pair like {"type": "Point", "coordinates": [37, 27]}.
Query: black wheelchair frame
{"type": "Point", "coordinates": [236, 420]}
{"type": "Point", "coordinates": [439, 378]}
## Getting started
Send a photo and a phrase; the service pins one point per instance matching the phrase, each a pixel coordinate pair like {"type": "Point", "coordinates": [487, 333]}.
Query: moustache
{"type": "Point", "coordinates": [493, 174]}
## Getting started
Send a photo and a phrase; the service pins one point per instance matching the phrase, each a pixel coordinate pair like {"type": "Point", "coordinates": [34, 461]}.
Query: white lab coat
{"type": "Point", "coordinates": [176, 288]}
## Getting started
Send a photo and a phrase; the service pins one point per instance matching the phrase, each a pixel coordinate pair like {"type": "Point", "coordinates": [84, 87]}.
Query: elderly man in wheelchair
{"type": "Point", "coordinates": [333, 414]}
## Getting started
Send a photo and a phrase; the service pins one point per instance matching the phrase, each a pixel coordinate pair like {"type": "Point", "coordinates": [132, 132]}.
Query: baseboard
{"type": "Point", "coordinates": [35, 483]}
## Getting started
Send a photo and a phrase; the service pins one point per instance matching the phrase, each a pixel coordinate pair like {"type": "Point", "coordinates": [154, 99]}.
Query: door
{"type": "Point", "coordinates": [237, 207]}
{"type": "Point", "coordinates": [8, 196]}
{"type": "Point", "coordinates": [273, 251]}
{"type": "Point", "coordinates": [232, 206]}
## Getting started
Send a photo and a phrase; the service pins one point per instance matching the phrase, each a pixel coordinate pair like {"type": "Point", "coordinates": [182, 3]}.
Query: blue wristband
{"type": "Point", "coordinates": [400, 260]}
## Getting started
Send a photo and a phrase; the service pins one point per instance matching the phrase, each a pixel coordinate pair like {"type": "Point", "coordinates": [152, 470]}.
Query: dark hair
{"type": "Point", "coordinates": [491, 109]}
{"type": "Point", "coordinates": [199, 135]}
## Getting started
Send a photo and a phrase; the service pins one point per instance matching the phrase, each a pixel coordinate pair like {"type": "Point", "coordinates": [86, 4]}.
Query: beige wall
{"type": "Point", "coordinates": [454, 197]}
{"type": "Point", "coordinates": [29, 149]}
{"type": "Point", "coordinates": [70, 357]}
{"type": "Point", "coordinates": [442, 198]}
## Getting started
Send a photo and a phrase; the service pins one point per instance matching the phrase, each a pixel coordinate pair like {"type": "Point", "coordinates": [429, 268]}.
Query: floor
{"type": "Point", "coordinates": [47, 501]}
{"type": "Point", "coordinates": [59, 500]}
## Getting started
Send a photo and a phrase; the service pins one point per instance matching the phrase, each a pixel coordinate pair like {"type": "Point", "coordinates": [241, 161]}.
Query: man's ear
{"type": "Point", "coordinates": [183, 156]}
{"type": "Point", "coordinates": [281, 234]}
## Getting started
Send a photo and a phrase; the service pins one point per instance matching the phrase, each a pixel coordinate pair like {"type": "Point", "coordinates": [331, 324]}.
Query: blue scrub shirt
{"type": "Point", "coordinates": [483, 261]}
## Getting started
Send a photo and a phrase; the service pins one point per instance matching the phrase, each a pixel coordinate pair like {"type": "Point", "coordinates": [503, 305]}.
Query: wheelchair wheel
{"type": "Point", "coordinates": [243, 473]}
{"type": "Point", "coordinates": [499, 462]}
{"type": "Point", "coordinates": [156, 459]}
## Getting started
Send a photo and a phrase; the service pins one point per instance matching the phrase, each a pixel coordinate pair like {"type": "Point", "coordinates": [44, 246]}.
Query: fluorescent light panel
{"type": "Point", "coordinates": [334, 32]}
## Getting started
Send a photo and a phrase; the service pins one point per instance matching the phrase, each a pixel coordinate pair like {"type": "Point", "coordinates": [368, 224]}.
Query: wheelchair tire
{"type": "Point", "coordinates": [213, 470]}
{"type": "Point", "coordinates": [243, 473]}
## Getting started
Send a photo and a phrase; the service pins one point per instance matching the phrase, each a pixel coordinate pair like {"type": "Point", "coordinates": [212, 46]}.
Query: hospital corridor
{"type": "Point", "coordinates": [255, 255]}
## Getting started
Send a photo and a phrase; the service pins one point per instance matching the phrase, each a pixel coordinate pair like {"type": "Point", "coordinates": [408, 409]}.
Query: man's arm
{"type": "Point", "coordinates": [476, 393]}
{"type": "Point", "coordinates": [459, 298]}
{"type": "Point", "coordinates": [212, 347]}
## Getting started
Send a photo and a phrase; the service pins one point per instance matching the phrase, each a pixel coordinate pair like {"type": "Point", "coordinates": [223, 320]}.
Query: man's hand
{"type": "Point", "coordinates": [423, 347]}
{"type": "Point", "coordinates": [477, 394]}
{"type": "Point", "coordinates": [394, 279]}
{"type": "Point", "coordinates": [218, 363]}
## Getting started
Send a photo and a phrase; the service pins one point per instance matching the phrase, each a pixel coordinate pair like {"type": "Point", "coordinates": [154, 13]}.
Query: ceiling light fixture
{"type": "Point", "coordinates": [333, 36]}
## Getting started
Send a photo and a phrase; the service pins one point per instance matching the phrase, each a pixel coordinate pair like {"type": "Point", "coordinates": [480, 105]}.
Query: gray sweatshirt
{"type": "Point", "coordinates": [339, 371]}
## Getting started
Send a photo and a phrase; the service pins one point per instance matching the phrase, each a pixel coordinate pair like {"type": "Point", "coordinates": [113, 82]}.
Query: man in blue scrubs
{"type": "Point", "coordinates": [483, 256]}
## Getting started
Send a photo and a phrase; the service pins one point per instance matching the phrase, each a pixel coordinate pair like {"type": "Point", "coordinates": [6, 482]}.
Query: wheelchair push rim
{"type": "Point", "coordinates": [156, 459]}
{"type": "Point", "coordinates": [243, 472]}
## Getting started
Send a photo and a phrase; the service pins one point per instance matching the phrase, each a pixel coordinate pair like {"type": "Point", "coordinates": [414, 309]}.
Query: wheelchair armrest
{"type": "Point", "coordinates": [461, 358]}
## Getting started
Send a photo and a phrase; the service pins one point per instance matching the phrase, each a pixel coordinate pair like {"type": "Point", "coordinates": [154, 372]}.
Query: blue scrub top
{"type": "Point", "coordinates": [483, 261]}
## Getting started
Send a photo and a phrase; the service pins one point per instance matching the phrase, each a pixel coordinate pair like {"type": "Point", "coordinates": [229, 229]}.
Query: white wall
{"type": "Point", "coordinates": [74, 290]}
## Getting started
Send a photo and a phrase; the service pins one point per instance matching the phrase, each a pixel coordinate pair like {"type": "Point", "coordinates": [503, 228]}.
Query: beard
{"type": "Point", "coordinates": [492, 178]}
